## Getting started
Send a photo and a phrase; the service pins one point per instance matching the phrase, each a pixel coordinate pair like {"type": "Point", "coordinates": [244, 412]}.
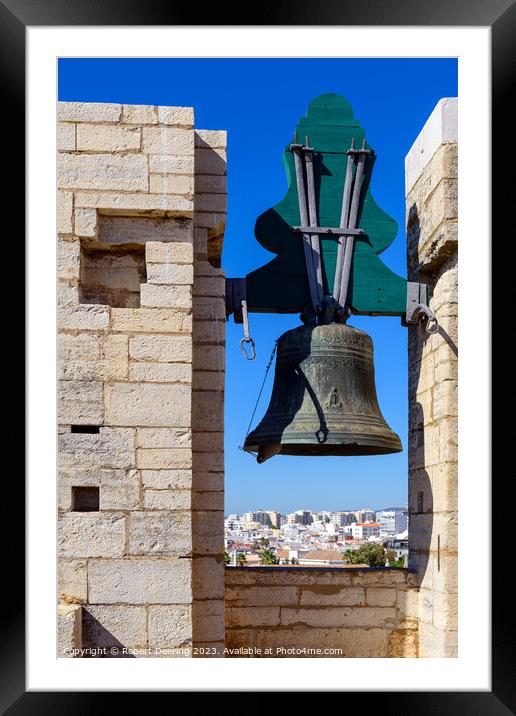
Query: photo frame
{"type": "Point", "coordinates": [500, 16]}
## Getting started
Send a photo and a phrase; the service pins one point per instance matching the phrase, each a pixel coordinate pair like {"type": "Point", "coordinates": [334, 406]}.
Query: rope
{"type": "Point", "coordinates": [267, 368]}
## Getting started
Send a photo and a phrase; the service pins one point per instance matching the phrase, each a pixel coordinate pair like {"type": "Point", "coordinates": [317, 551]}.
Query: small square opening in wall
{"type": "Point", "coordinates": [85, 499]}
{"type": "Point", "coordinates": [112, 276]}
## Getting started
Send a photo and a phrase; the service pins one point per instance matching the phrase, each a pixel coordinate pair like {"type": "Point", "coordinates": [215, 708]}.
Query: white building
{"type": "Point", "coordinates": [365, 530]}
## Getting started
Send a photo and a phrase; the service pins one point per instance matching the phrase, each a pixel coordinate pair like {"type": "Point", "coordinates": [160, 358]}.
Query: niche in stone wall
{"type": "Point", "coordinates": [113, 264]}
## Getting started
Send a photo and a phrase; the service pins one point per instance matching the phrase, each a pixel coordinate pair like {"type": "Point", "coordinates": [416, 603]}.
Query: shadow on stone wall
{"type": "Point", "coordinates": [96, 636]}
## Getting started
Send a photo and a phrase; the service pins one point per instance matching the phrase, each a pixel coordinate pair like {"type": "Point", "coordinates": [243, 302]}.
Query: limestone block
{"type": "Point", "coordinates": [445, 400]}
{"type": "Point", "coordinates": [166, 164]}
{"type": "Point", "coordinates": [210, 202]}
{"type": "Point", "coordinates": [200, 240]}
{"type": "Point", "coordinates": [65, 136]}
{"type": "Point", "coordinates": [80, 402]}
{"type": "Point", "coordinates": [139, 114]}
{"type": "Point", "coordinates": [170, 274]}
{"type": "Point", "coordinates": [83, 317]}
{"type": "Point", "coordinates": [167, 140]}
{"type": "Point", "coordinates": [120, 490]}
{"type": "Point", "coordinates": [79, 356]}
{"type": "Point", "coordinates": [267, 596]}
{"type": "Point", "coordinates": [208, 481]}
{"type": "Point", "coordinates": [446, 574]}
{"type": "Point", "coordinates": [259, 576]}
{"type": "Point", "coordinates": [117, 626]}
{"type": "Point", "coordinates": [102, 171]}
{"type": "Point", "coordinates": [111, 447]}
{"type": "Point", "coordinates": [208, 500]}
{"type": "Point", "coordinates": [208, 620]}
{"type": "Point", "coordinates": [72, 580]}
{"type": "Point", "coordinates": [163, 438]}
{"type": "Point", "coordinates": [67, 293]}
{"type": "Point", "coordinates": [207, 411]}
{"type": "Point", "coordinates": [403, 643]}
{"type": "Point", "coordinates": [85, 221]}
{"type": "Point", "coordinates": [209, 358]}
{"type": "Point", "coordinates": [208, 532]}
{"type": "Point", "coordinates": [156, 533]}
{"type": "Point", "coordinates": [212, 461]}
{"type": "Point", "coordinates": [176, 116]}
{"type": "Point", "coordinates": [167, 500]}
{"type": "Point", "coordinates": [170, 626]}
{"type": "Point", "coordinates": [88, 112]}
{"type": "Point", "coordinates": [116, 230]}
{"type": "Point", "coordinates": [325, 595]}
{"type": "Point", "coordinates": [342, 616]}
{"type": "Point", "coordinates": [209, 332]}
{"type": "Point", "coordinates": [253, 616]}
{"type": "Point", "coordinates": [380, 597]}
{"type": "Point", "coordinates": [379, 578]}
{"type": "Point", "coordinates": [164, 458]}
{"type": "Point", "coordinates": [204, 268]}
{"type": "Point", "coordinates": [180, 252]}
{"type": "Point", "coordinates": [150, 320]}
{"type": "Point", "coordinates": [210, 184]}
{"type": "Point", "coordinates": [115, 357]}
{"type": "Point", "coordinates": [148, 404]}
{"type": "Point", "coordinates": [208, 442]}
{"type": "Point", "coordinates": [103, 138]}
{"type": "Point", "coordinates": [155, 296]}
{"type": "Point", "coordinates": [68, 259]}
{"type": "Point", "coordinates": [448, 440]}
{"type": "Point", "coordinates": [127, 203]}
{"type": "Point", "coordinates": [87, 534]}
{"type": "Point", "coordinates": [209, 286]}
{"type": "Point", "coordinates": [140, 581]}
{"type": "Point", "coordinates": [161, 349]}
{"type": "Point", "coordinates": [211, 138]}
{"type": "Point", "coordinates": [444, 484]}
{"type": "Point", "coordinates": [69, 632]}
{"type": "Point", "coordinates": [209, 308]}
{"type": "Point", "coordinates": [208, 380]}
{"type": "Point", "coordinates": [167, 479]}
{"type": "Point", "coordinates": [160, 372]}
{"type": "Point", "coordinates": [208, 577]}
{"type": "Point", "coordinates": [171, 184]}
{"type": "Point", "coordinates": [210, 161]}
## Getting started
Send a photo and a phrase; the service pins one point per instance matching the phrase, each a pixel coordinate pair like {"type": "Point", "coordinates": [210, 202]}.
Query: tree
{"type": "Point", "coordinates": [390, 556]}
{"type": "Point", "coordinates": [241, 559]}
{"type": "Point", "coordinates": [227, 558]}
{"type": "Point", "coordinates": [267, 556]}
{"type": "Point", "coordinates": [294, 561]}
{"type": "Point", "coordinates": [372, 554]}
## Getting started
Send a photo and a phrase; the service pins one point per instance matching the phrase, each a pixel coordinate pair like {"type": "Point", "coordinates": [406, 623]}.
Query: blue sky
{"type": "Point", "coordinates": [258, 101]}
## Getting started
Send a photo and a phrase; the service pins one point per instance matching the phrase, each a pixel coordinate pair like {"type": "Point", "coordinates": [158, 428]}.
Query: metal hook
{"type": "Point", "coordinates": [252, 355]}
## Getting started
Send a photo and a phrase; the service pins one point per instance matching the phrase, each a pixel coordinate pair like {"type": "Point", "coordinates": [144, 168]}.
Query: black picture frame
{"type": "Point", "coordinates": [500, 16]}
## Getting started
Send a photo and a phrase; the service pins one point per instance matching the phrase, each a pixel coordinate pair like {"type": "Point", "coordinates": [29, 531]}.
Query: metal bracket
{"type": "Point", "coordinates": [235, 294]}
{"type": "Point", "coordinates": [417, 306]}
{"type": "Point", "coordinates": [417, 296]}
{"type": "Point", "coordinates": [339, 231]}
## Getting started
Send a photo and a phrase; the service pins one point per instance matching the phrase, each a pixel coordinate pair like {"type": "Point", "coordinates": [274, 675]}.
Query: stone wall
{"type": "Point", "coordinates": [360, 612]}
{"type": "Point", "coordinates": [141, 216]}
{"type": "Point", "coordinates": [431, 187]}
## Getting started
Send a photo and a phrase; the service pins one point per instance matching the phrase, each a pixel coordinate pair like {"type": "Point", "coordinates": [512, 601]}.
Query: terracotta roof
{"type": "Point", "coordinates": [322, 554]}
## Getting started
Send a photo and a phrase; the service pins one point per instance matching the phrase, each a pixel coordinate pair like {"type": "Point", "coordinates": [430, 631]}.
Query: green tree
{"type": "Point", "coordinates": [227, 558]}
{"type": "Point", "coordinates": [294, 561]}
{"type": "Point", "coordinates": [267, 556]}
{"type": "Point", "coordinates": [372, 554]}
{"type": "Point", "coordinates": [241, 559]}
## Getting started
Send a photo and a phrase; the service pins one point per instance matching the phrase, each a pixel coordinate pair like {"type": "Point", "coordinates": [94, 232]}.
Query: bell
{"type": "Point", "coordinates": [324, 397]}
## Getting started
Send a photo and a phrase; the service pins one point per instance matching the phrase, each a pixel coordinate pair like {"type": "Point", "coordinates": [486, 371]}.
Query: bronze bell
{"type": "Point", "coordinates": [324, 397]}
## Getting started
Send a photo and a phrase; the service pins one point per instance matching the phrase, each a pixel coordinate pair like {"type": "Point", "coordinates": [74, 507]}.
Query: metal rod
{"type": "Point", "coordinates": [353, 214]}
{"type": "Point", "coordinates": [337, 230]}
{"type": "Point", "coordinates": [312, 211]}
{"type": "Point", "coordinates": [307, 246]}
{"type": "Point", "coordinates": [344, 223]}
